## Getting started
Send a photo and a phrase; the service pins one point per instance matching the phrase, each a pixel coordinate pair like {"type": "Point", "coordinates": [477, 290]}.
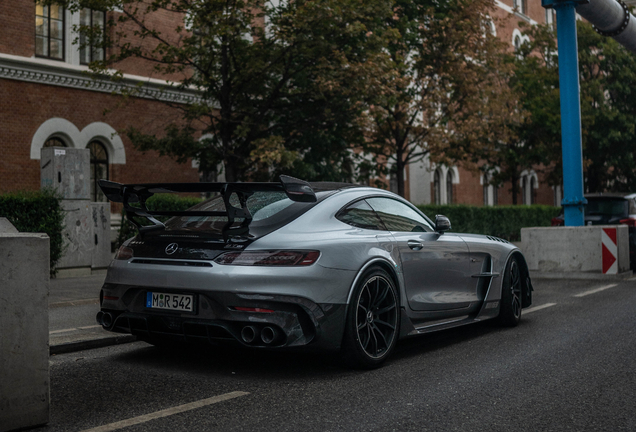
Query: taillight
{"type": "Point", "coordinates": [269, 258]}
{"type": "Point", "coordinates": [557, 221]}
{"type": "Point", "coordinates": [124, 253]}
{"type": "Point", "coordinates": [629, 222]}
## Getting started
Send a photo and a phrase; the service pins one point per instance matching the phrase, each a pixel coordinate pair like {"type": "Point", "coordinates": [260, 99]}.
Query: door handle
{"type": "Point", "coordinates": [414, 244]}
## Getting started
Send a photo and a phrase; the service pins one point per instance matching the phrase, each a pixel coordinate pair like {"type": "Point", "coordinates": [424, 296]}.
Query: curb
{"type": "Point", "coordinates": [580, 275]}
{"type": "Point", "coordinates": [70, 347]}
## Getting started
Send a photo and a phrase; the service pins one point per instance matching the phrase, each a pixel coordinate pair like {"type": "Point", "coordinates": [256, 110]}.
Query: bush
{"type": "Point", "coordinates": [500, 221]}
{"type": "Point", "coordinates": [37, 212]}
{"type": "Point", "coordinates": [167, 202]}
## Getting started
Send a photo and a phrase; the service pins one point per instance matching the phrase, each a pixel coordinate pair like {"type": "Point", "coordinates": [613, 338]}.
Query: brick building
{"type": "Point", "coordinates": [46, 99]}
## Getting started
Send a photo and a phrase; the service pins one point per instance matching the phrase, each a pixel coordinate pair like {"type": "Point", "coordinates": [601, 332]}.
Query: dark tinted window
{"type": "Point", "coordinates": [361, 215]}
{"type": "Point", "coordinates": [398, 216]}
{"type": "Point", "coordinates": [607, 207]}
{"type": "Point", "coordinates": [269, 210]}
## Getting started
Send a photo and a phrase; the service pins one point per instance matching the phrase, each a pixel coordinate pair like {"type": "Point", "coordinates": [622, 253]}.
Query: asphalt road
{"type": "Point", "coordinates": [569, 366]}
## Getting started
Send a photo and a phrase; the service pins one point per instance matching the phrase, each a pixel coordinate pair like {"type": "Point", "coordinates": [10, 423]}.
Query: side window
{"type": "Point", "coordinates": [398, 216]}
{"type": "Point", "coordinates": [361, 215]}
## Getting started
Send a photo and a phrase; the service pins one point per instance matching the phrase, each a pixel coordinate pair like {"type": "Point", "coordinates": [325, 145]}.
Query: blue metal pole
{"type": "Point", "coordinates": [573, 199]}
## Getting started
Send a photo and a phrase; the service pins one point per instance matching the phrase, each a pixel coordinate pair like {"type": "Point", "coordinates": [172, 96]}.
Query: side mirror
{"type": "Point", "coordinates": [442, 223]}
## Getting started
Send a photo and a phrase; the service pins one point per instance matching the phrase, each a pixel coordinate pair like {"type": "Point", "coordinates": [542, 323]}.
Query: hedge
{"type": "Point", "coordinates": [500, 221]}
{"type": "Point", "coordinates": [37, 212]}
{"type": "Point", "coordinates": [167, 202]}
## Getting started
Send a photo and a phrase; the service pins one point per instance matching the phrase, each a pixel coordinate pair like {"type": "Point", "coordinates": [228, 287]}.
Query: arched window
{"type": "Point", "coordinates": [533, 185]}
{"type": "Point", "coordinates": [449, 187]}
{"type": "Point", "coordinates": [54, 142]}
{"type": "Point", "coordinates": [516, 42]}
{"type": "Point", "coordinates": [437, 186]}
{"type": "Point", "coordinates": [524, 190]}
{"type": "Point", "coordinates": [99, 169]}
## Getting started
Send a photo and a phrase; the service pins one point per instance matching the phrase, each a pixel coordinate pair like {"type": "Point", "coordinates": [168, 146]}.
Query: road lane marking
{"type": "Point", "coordinates": [73, 329]}
{"type": "Point", "coordinates": [167, 412]}
{"type": "Point", "coordinates": [595, 290]}
{"type": "Point", "coordinates": [536, 308]}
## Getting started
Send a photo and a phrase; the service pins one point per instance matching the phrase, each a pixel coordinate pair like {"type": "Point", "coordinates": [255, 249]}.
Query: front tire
{"type": "Point", "coordinates": [511, 295]}
{"type": "Point", "coordinates": [372, 325]}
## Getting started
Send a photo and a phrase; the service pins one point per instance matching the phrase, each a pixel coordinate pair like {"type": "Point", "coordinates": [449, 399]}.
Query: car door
{"type": "Point", "coordinates": [436, 267]}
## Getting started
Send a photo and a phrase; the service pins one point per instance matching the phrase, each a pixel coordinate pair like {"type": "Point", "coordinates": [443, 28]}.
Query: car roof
{"type": "Point", "coordinates": [329, 186]}
{"type": "Point", "coordinates": [625, 195]}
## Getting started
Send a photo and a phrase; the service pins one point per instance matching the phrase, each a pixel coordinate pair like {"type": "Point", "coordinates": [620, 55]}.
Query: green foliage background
{"type": "Point", "coordinates": [500, 221]}
{"type": "Point", "coordinates": [37, 212]}
{"type": "Point", "coordinates": [167, 202]}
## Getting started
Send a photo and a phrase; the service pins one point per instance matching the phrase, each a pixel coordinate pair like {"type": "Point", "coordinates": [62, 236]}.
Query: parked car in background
{"type": "Point", "coordinates": [611, 209]}
{"type": "Point", "coordinates": [299, 265]}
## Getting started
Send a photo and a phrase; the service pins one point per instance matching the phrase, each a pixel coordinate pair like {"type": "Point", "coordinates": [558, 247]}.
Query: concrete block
{"type": "Point", "coordinates": [24, 330]}
{"type": "Point", "coordinates": [7, 227]}
{"type": "Point", "coordinates": [571, 249]}
{"type": "Point", "coordinates": [67, 170]}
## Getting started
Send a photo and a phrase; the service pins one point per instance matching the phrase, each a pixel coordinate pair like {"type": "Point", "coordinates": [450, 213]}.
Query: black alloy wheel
{"type": "Point", "coordinates": [372, 321]}
{"type": "Point", "coordinates": [511, 295]}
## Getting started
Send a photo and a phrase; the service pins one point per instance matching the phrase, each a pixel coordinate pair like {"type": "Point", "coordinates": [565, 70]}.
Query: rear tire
{"type": "Point", "coordinates": [372, 324]}
{"type": "Point", "coordinates": [511, 295]}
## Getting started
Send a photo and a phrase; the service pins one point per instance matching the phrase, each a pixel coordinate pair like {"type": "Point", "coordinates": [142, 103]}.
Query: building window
{"type": "Point", "coordinates": [54, 142]}
{"type": "Point", "coordinates": [99, 169]}
{"type": "Point", "coordinates": [549, 17]}
{"type": "Point", "coordinates": [437, 186]}
{"type": "Point", "coordinates": [49, 31]}
{"type": "Point", "coordinates": [449, 187]}
{"type": "Point", "coordinates": [533, 187]}
{"type": "Point", "coordinates": [520, 6]}
{"type": "Point", "coordinates": [91, 48]}
{"type": "Point", "coordinates": [490, 191]}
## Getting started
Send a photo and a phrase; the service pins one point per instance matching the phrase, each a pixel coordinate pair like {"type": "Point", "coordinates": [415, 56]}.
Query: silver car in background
{"type": "Point", "coordinates": [298, 265]}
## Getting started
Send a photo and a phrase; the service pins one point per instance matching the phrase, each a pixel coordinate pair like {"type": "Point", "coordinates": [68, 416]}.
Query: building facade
{"type": "Point", "coordinates": [47, 99]}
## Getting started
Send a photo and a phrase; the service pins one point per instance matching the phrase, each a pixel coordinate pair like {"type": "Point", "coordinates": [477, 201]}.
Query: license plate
{"type": "Point", "coordinates": [177, 302]}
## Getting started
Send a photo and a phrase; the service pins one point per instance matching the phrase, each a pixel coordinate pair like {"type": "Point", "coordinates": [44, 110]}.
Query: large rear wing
{"type": "Point", "coordinates": [295, 189]}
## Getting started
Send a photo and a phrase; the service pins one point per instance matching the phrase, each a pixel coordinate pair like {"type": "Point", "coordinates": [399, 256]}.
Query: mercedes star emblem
{"type": "Point", "coordinates": [171, 248]}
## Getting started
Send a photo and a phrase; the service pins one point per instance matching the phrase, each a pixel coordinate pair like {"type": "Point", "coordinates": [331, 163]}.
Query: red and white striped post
{"type": "Point", "coordinates": [609, 248]}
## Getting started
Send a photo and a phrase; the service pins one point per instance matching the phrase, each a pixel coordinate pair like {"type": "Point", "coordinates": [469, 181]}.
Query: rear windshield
{"type": "Point", "coordinates": [607, 206]}
{"type": "Point", "coordinates": [269, 210]}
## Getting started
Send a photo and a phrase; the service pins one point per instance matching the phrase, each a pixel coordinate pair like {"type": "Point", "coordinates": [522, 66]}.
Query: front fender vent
{"type": "Point", "coordinates": [497, 239]}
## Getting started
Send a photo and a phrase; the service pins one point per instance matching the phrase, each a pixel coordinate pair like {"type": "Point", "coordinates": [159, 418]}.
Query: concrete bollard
{"type": "Point", "coordinates": [573, 251]}
{"type": "Point", "coordinates": [24, 330]}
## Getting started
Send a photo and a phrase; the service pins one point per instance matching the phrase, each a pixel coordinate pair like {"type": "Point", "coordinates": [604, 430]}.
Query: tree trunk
{"type": "Point", "coordinates": [400, 174]}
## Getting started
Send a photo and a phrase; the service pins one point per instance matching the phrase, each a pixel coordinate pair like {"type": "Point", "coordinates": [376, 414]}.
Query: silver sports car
{"type": "Point", "coordinates": [293, 264]}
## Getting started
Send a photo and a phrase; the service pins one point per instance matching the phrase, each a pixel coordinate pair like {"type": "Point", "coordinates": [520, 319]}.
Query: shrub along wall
{"type": "Point", "coordinates": [167, 202]}
{"type": "Point", "coordinates": [500, 221]}
{"type": "Point", "coordinates": [37, 212]}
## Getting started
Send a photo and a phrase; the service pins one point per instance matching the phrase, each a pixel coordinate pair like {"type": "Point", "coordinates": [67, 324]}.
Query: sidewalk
{"type": "Point", "coordinates": [73, 304]}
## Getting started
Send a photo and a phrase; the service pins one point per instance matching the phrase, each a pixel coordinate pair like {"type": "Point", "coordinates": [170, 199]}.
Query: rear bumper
{"type": "Point", "coordinates": [294, 321]}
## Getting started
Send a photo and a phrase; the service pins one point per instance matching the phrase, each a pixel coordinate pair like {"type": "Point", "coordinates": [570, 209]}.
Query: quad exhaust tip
{"type": "Point", "coordinates": [268, 335]}
{"type": "Point", "coordinates": [105, 319]}
{"type": "Point", "coordinates": [248, 334]}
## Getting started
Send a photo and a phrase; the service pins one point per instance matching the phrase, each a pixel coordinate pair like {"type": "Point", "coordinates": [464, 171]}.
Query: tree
{"type": "Point", "coordinates": [280, 84]}
{"type": "Point", "coordinates": [608, 112]}
{"type": "Point", "coordinates": [444, 88]}
{"type": "Point", "coordinates": [530, 137]}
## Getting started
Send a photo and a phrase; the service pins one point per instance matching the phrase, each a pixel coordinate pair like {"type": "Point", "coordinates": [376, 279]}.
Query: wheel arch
{"type": "Point", "coordinates": [526, 285]}
{"type": "Point", "coordinates": [384, 265]}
